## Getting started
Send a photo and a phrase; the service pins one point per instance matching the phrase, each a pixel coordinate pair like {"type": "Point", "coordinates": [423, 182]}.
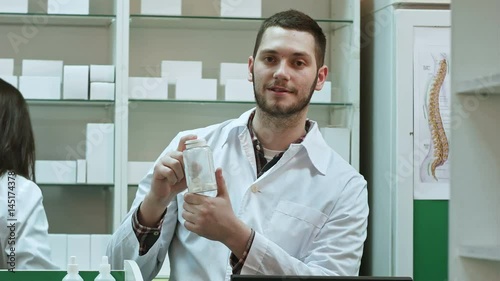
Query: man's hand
{"type": "Point", "coordinates": [214, 219]}
{"type": "Point", "coordinates": [168, 181]}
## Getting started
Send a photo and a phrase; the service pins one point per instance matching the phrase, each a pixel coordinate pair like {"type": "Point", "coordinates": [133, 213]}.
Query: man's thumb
{"type": "Point", "coordinates": [221, 183]}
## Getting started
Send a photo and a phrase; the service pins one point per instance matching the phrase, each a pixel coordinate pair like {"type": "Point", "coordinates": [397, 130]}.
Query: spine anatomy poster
{"type": "Point", "coordinates": [431, 80]}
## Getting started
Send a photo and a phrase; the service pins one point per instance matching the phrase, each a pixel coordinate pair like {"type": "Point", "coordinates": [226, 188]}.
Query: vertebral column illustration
{"type": "Point", "coordinates": [439, 139]}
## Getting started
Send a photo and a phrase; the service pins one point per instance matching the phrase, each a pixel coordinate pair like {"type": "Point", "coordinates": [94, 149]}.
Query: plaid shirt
{"type": "Point", "coordinates": [147, 236]}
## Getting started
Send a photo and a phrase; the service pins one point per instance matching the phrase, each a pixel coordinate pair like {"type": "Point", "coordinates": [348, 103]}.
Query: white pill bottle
{"type": "Point", "coordinates": [199, 166]}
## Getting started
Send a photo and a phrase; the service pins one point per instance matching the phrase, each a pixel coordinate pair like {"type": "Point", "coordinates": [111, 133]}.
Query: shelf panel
{"type": "Point", "coordinates": [339, 104]}
{"type": "Point", "coordinates": [481, 85]}
{"type": "Point", "coordinates": [83, 185]}
{"type": "Point", "coordinates": [40, 19]}
{"type": "Point", "coordinates": [97, 103]}
{"type": "Point", "coordinates": [481, 252]}
{"type": "Point", "coordinates": [219, 23]}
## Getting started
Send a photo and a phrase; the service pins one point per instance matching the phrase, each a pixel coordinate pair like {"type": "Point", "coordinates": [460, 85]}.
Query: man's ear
{"type": "Point", "coordinates": [250, 68]}
{"type": "Point", "coordinates": [322, 74]}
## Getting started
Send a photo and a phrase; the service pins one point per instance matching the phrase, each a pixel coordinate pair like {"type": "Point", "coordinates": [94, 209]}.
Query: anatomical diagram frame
{"type": "Point", "coordinates": [432, 118]}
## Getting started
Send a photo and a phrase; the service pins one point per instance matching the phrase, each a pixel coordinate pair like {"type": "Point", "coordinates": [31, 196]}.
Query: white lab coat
{"type": "Point", "coordinates": [31, 247]}
{"type": "Point", "coordinates": [309, 213]}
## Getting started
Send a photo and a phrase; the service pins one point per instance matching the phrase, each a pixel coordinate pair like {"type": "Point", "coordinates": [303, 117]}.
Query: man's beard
{"type": "Point", "coordinates": [279, 111]}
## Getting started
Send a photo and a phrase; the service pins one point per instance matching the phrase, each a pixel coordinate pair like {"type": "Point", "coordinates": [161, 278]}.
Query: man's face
{"type": "Point", "coordinates": [284, 72]}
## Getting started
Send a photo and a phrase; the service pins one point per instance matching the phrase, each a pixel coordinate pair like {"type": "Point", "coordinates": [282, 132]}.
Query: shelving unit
{"type": "Point", "coordinates": [491, 253]}
{"type": "Point", "coordinates": [474, 253]}
{"type": "Point", "coordinates": [116, 33]}
{"type": "Point", "coordinates": [483, 85]}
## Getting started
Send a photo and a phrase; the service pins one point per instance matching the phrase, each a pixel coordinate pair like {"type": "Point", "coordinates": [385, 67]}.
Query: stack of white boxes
{"type": "Point", "coordinates": [324, 95]}
{"type": "Point", "coordinates": [339, 139]}
{"type": "Point", "coordinates": [186, 76]}
{"type": "Point", "coordinates": [100, 153]}
{"type": "Point", "coordinates": [68, 7]}
{"type": "Point", "coordinates": [148, 88]}
{"type": "Point", "coordinates": [7, 71]}
{"type": "Point", "coordinates": [96, 168]}
{"type": "Point", "coordinates": [55, 172]}
{"type": "Point", "coordinates": [234, 76]}
{"type": "Point", "coordinates": [102, 82]}
{"type": "Point", "coordinates": [76, 82]}
{"type": "Point", "coordinates": [88, 250]}
{"type": "Point", "coordinates": [137, 171]}
{"type": "Point", "coordinates": [41, 79]}
{"type": "Point", "coordinates": [241, 8]}
{"type": "Point", "coordinates": [11, 6]}
{"type": "Point", "coordinates": [161, 7]}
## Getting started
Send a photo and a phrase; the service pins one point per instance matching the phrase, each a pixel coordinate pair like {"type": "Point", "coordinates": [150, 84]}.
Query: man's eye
{"type": "Point", "coordinates": [300, 63]}
{"type": "Point", "coordinates": [268, 59]}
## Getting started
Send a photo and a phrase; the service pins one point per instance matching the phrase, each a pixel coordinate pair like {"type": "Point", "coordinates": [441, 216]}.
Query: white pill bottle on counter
{"type": "Point", "coordinates": [199, 166]}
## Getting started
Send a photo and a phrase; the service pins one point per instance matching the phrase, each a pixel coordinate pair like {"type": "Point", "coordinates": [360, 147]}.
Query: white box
{"type": "Point", "coordinates": [174, 70]}
{"type": "Point", "coordinates": [98, 245]}
{"type": "Point", "coordinates": [323, 96]}
{"type": "Point", "coordinates": [161, 7]}
{"type": "Point", "coordinates": [59, 249]}
{"type": "Point", "coordinates": [68, 7]}
{"type": "Point", "coordinates": [148, 88]}
{"type": "Point", "coordinates": [76, 82]}
{"type": "Point", "coordinates": [42, 88]}
{"type": "Point", "coordinates": [239, 90]}
{"type": "Point", "coordinates": [102, 73]}
{"type": "Point", "coordinates": [100, 153]}
{"type": "Point", "coordinates": [6, 66]}
{"type": "Point", "coordinates": [81, 171]}
{"type": "Point", "coordinates": [196, 89]}
{"type": "Point", "coordinates": [79, 246]}
{"type": "Point", "coordinates": [138, 170]}
{"type": "Point", "coordinates": [13, 80]}
{"type": "Point", "coordinates": [241, 8]}
{"type": "Point", "coordinates": [339, 139]}
{"type": "Point", "coordinates": [55, 171]}
{"type": "Point", "coordinates": [14, 6]}
{"type": "Point", "coordinates": [102, 91]}
{"type": "Point", "coordinates": [232, 71]}
{"type": "Point", "coordinates": [43, 68]}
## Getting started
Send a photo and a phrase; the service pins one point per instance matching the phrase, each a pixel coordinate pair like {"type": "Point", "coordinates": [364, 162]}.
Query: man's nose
{"type": "Point", "coordinates": [282, 71]}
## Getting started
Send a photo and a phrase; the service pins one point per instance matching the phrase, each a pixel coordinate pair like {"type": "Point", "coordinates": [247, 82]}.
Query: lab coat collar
{"type": "Point", "coordinates": [317, 149]}
{"type": "Point", "coordinates": [315, 145]}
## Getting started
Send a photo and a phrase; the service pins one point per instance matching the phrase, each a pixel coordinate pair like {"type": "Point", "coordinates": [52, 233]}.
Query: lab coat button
{"type": "Point", "coordinates": [254, 189]}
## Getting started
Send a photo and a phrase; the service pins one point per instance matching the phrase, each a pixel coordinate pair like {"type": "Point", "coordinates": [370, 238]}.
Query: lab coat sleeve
{"type": "Point", "coordinates": [335, 251]}
{"type": "Point", "coordinates": [32, 242]}
{"type": "Point", "coordinates": [124, 244]}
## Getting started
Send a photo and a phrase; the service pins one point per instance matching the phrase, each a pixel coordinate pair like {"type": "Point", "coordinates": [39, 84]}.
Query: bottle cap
{"type": "Point", "coordinates": [72, 266]}
{"type": "Point", "coordinates": [104, 268]}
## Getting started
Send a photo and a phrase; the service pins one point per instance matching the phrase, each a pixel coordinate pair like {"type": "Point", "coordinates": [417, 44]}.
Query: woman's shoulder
{"type": "Point", "coordinates": [18, 185]}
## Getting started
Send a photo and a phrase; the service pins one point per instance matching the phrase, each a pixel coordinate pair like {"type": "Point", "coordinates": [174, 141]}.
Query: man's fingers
{"type": "Point", "coordinates": [194, 199]}
{"type": "Point", "coordinates": [174, 161]}
{"type": "Point", "coordinates": [165, 173]}
{"type": "Point", "coordinates": [182, 145]}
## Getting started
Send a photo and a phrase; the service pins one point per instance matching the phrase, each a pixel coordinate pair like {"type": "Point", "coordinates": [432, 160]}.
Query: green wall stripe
{"type": "Point", "coordinates": [430, 241]}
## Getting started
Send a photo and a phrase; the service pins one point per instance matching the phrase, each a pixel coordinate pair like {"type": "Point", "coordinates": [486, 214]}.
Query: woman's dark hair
{"type": "Point", "coordinates": [295, 20]}
{"type": "Point", "coordinates": [17, 144]}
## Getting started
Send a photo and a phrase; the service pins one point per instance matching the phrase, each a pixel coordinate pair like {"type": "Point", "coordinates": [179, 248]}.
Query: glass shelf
{"type": "Point", "coordinates": [83, 185]}
{"type": "Point", "coordinates": [98, 103]}
{"type": "Point", "coordinates": [41, 19]}
{"type": "Point", "coordinates": [218, 23]}
{"type": "Point", "coordinates": [339, 104]}
{"type": "Point", "coordinates": [491, 252]}
{"type": "Point", "coordinates": [482, 85]}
